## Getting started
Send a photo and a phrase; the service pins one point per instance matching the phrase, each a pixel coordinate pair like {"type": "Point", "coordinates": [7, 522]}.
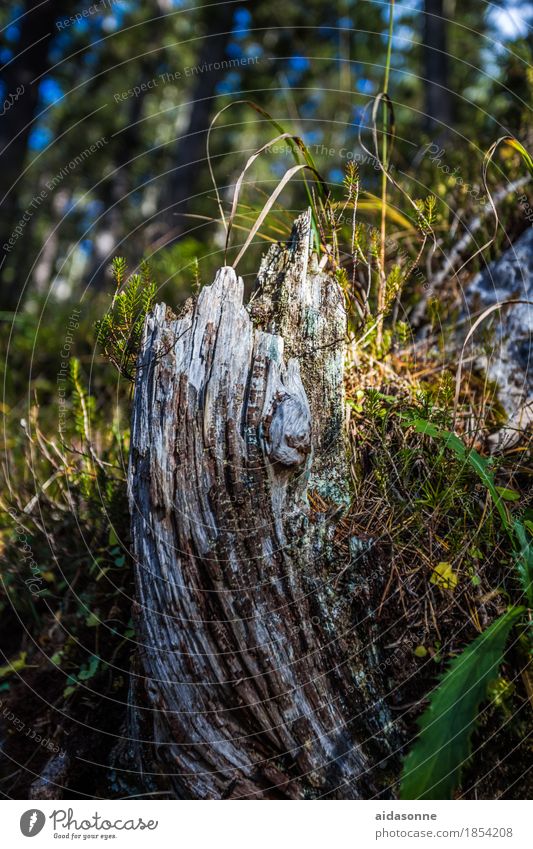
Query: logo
{"type": "Point", "coordinates": [32, 822]}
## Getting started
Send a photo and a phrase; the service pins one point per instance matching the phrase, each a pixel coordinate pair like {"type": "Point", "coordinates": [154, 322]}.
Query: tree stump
{"type": "Point", "coordinates": [259, 673]}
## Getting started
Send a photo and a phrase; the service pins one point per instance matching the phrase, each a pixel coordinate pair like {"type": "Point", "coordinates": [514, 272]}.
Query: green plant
{"type": "Point", "coordinates": [119, 331]}
{"type": "Point", "coordinates": [470, 456]}
{"type": "Point", "coordinates": [432, 768]}
{"type": "Point", "coordinates": [83, 404]}
{"type": "Point", "coordinates": [86, 672]}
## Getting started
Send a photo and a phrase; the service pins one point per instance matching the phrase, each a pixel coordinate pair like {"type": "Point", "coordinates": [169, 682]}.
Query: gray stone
{"type": "Point", "coordinates": [508, 360]}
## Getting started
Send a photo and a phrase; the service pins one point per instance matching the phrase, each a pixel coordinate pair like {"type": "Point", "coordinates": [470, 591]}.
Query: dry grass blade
{"type": "Point", "coordinates": [268, 206]}
{"type": "Point", "coordinates": [390, 129]}
{"type": "Point", "coordinates": [298, 147]}
{"type": "Point", "coordinates": [238, 185]}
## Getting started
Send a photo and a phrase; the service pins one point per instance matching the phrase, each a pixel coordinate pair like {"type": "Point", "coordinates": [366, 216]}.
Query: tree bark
{"type": "Point", "coordinates": [259, 664]}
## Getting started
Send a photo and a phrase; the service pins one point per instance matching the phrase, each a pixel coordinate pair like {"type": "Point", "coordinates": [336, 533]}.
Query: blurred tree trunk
{"type": "Point", "coordinates": [259, 668]}
{"type": "Point", "coordinates": [437, 98]}
{"type": "Point", "coordinates": [115, 190]}
{"type": "Point", "coordinates": [186, 179]}
{"type": "Point", "coordinates": [37, 29]}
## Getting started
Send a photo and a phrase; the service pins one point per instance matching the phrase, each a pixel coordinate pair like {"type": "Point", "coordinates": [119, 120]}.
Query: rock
{"type": "Point", "coordinates": [509, 360]}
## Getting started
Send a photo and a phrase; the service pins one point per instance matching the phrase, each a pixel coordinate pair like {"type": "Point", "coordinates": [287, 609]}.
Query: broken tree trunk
{"type": "Point", "coordinates": [258, 663]}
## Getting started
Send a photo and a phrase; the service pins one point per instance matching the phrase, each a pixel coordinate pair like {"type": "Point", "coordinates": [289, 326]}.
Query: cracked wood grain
{"type": "Point", "coordinates": [255, 679]}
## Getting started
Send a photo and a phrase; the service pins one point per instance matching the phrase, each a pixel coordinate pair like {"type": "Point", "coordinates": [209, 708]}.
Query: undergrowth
{"type": "Point", "coordinates": [66, 590]}
{"type": "Point", "coordinates": [453, 527]}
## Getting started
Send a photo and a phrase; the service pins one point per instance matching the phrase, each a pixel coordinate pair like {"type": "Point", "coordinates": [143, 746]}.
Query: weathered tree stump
{"type": "Point", "coordinates": [258, 664]}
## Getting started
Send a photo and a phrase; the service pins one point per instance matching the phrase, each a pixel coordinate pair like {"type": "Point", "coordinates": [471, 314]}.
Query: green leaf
{"type": "Point", "coordinates": [508, 494]}
{"type": "Point", "coordinates": [89, 670]}
{"type": "Point", "coordinates": [433, 766]}
{"type": "Point", "coordinates": [14, 665]}
{"type": "Point", "coordinates": [524, 562]}
{"type": "Point", "coordinates": [92, 620]}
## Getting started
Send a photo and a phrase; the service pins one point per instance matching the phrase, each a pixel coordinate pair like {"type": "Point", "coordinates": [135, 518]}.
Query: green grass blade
{"type": "Point", "coordinates": [432, 768]}
{"type": "Point", "coordinates": [510, 141]}
{"type": "Point", "coordinates": [524, 562]}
